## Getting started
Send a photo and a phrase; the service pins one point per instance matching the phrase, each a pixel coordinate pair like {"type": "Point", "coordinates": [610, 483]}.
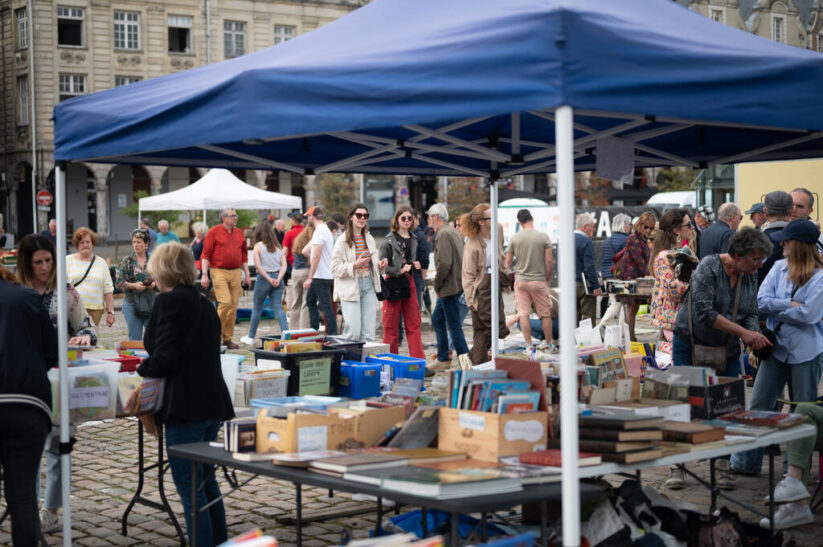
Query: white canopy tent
{"type": "Point", "coordinates": [219, 188]}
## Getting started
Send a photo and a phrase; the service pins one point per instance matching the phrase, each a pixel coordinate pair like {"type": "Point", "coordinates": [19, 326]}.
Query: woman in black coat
{"type": "Point", "coordinates": [183, 343]}
{"type": "Point", "coordinates": [29, 343]}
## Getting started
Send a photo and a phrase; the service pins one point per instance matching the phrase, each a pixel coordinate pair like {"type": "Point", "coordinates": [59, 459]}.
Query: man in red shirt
{"type": "Point", "coordinates": [226, 253]}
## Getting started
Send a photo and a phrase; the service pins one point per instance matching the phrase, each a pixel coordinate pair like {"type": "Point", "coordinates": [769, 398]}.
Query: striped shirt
{"type": "Point", "coordinates": [361, 250]}
{"type": "Point", "coordinates": [96, 284]}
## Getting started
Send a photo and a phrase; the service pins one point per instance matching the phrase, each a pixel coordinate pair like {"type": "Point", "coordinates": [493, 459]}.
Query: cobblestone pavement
{"type": "Point", "coordinates": [105, 477]}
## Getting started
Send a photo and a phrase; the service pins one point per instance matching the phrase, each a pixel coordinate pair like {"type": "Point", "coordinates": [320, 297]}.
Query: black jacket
{"type": "Point", "coordinates": [393, 251]}
{"type": "Point", "coordinates": [28, 343]}
{"type": "Point", "coordinates": [183, 342]}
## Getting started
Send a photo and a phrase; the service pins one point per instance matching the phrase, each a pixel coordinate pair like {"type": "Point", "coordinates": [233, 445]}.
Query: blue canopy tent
{"type": "Point", "coordinates": [471, 87]}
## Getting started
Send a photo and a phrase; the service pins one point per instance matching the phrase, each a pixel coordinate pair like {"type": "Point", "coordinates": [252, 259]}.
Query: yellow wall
{"type": "Point", "coordinates": [755, 180]}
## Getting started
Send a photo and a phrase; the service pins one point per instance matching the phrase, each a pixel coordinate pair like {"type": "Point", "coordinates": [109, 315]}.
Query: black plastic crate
{"type": "Point", "coordinates": [353, 348]}
{"type": "Point", "coordinates": [312, 372]}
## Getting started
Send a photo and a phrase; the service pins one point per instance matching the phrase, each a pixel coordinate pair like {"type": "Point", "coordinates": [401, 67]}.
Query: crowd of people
{"type": "Point", "coordinates": [720, 291]}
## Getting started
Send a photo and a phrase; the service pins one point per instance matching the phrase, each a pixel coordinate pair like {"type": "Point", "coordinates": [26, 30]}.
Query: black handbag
{"type": "Point", "coordinates": [394, 288]}
{"type": "Point", "coordinates": [143, 303]}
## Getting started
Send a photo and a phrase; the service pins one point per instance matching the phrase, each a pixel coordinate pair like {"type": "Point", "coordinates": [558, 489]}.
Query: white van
{"type": "Point", "coordinates": [671, 200]}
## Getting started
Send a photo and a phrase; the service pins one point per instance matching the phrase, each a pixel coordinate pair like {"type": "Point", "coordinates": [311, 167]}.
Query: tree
{"type": "Point", "coordinates": [153, 216]}
{"type": "Point", "coordinates": [464, 193]}
{"type": "Point", "coordinates": [675, 179]}
{"type": "Point", "coordinates": [338, 192]}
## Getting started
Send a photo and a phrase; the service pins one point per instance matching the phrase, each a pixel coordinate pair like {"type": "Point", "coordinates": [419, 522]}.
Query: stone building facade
{"type": "Point", "coordinates": [83, 46]}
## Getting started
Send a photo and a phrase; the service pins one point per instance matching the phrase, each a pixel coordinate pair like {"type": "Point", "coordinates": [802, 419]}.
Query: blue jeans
{"type": "Point", "coordinates": [360, 316]}
{"type": "Point", "coordinates": [134, 323]}
{"type": "Point", "coordinates": [319, 295]}
{"type": "Point", "coordinates": [263, 289]}
{"type": "Point", "coordinates": [768, 385]}
{"type": "Point", "coordinates": [537, 328]}
{"type": "Point", "coordinates": [464, 311]}
{"type": "Point", "coordinates": [446, 321]}
{"type": "Point", "coordinates": [54, 494]}
{"type": "Point", "coordinates": [682, 356]}
{"type": "Point", "coordinates": [211, 524]}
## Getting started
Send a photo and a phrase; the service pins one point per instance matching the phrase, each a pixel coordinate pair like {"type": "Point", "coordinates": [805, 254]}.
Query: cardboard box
{"type": "Point", "coordinates": [487, 436]}
{"type": "Point", "coordinates": [342, 429]}
{"type": "Point", "coordinates": [709, 402]}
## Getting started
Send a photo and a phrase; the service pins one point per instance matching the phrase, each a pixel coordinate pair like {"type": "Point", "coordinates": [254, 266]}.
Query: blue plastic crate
{"type": "Point", "coordinates": [402, 366]}
{"type": "Point", "coordinates": [359, 380]}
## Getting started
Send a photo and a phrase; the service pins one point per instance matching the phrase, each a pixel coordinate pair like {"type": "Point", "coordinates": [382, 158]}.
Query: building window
{"type": "Point", "coordinates": [22, 100]}
{"type": "Point", "coordinates": [22, 28]}
{"type": "Point", "coordinates": [120, 81]}
{"type": "Point", "coordinates": [717, 15]}
{"type": "Point", "coordinates": [283, 33]}
{"type": "Point", "coordinates": [820, 42]}
{"type": "Point", "coordinates": [126, 30]}
{"type": "Point", "coordinates": [69, 26]}
{"type": "Point", "coordinates": [72, 85]}
{"type": "Point", "coordinates": [778, 28]}
{"type": "Point", "coordinates": [179, 34]}
{"type": "Point", "coordinates": [234, 37]}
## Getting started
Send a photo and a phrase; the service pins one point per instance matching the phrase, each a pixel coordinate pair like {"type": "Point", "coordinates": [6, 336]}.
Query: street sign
{"type": "Point", "coordinates": [44, 197]}
{"type": "Point", "coordinates": [44, 208]}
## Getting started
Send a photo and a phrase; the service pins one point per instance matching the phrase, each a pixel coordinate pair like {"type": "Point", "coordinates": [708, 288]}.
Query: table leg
{"type": "Point", "coordinates": [424, 521]}
{"type": "Point", "coordinates": [771, 492]}
{"type": "Point", "coordinates": [713, 507]}
{"type": "Point", "coordinates": [544, 507]}
{"type": "Point", "coordinates": [298, 488]}
{"type": "Point", "coordinates": [193, 530]}
{"type": "Point", "coordinates": [379, 521]}
{"type": "Point", "coordinates": [140, 476]}
{"type": "Point", "coordinates": [331, 493]}
{"type": "Point", "coordinates": [484, 533]}
{"type": "Point", "coordinates": [454, 540]}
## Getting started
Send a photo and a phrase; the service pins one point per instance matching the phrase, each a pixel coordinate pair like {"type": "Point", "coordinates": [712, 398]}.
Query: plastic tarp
{"type": "Point", "coordinates": [219, 188]}
{"type": "Point", "coordinates": [393, 65]}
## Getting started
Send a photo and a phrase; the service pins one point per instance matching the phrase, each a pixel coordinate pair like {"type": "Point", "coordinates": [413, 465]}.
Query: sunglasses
{"type": "Point", "coordinates": [405, 218]}
{"type": "Point", "coordinates": [362, 216]}
{"type": "Point", "coordinates": [687, 225]}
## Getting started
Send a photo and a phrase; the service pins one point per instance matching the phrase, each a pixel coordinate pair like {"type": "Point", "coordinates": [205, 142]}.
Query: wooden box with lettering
{"type": "Point", "coordinates": [301, 432]}
{"type": "Point", "coordinates": [488, 436]}
{"type": "Point", "coordinates": [312, 372]}
{"type": "Point", "coordinates": [369, 424]}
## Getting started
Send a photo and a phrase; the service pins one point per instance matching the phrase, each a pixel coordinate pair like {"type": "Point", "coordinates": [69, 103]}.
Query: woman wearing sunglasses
{"type": "Point", "coordinates": [356, 273]}
{"type": "Point", "coordinates": [399, 251]}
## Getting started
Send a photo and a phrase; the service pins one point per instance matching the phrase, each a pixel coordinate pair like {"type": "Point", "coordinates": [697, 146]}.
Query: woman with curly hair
{"type": "Point", "coordinates": [634, 262]}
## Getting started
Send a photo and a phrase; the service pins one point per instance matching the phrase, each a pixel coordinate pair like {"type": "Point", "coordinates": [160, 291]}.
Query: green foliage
{"type": "Point", "coordinates": [337, 192]}
{"type": "Point", "coordinates": [245, 218]}
{"type": "Point", "coordinates": [464, 193]}
{"type": "Point", "coordinates": [676, 179]}
{"type": "Point", "coordinates": [153, 216]}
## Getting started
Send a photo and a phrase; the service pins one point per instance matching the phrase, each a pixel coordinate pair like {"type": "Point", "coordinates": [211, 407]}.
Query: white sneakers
{"type": "Point", "coordinates": [790, 514]}
{"type": "Point", "coordinates": [247, 340]}
{"type": "Point", "coordinates": [787, 490]}
{"type": "Point", "coordinates": [49, 522]}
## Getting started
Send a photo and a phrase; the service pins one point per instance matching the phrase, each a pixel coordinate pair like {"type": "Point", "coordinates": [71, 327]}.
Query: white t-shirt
{"type": "Point", "coordinates": [322, 236]}
{"type": "Point", "coordinates": [270, 262]}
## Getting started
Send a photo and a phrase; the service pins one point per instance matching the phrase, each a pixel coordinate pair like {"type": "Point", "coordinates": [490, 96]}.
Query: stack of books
{"type": "Point", "coordinates": [681, 437]}
{"type": "Point", "coordinates": [491, 391]}
{"type": "Point", "coordinates": [764, 418]}
{"type": "Point", "coordinates": [619, 438]}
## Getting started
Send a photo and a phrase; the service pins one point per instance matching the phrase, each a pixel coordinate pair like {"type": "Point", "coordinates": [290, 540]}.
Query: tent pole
{"type": "Point", "coordinates": [564, 138]}
{"type": "Point", "coordinates": [62, 347]}
{"type": "Point", "coordinates": [495, 273]}
{"type": "Point", "coordinates": [204, 215]}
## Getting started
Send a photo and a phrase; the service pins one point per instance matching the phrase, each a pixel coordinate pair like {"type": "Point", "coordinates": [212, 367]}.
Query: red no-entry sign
{"type": "Point", "coordinates": [44, 197]}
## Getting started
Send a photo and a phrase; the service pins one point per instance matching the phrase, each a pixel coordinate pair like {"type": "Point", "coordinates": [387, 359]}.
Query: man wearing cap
{"type": "Point", "coordinates": [777, 207]}
{"type": "Point", "coordinates": [757, 215]}
{"type": "Point", "coordinates": [320, 277]}
{"type": "Point", "coordinates": [715, 239]}
{"type": "Point", "coordinates": [226, 253]}
{"type": "Point", "coordinates": [804, 207]}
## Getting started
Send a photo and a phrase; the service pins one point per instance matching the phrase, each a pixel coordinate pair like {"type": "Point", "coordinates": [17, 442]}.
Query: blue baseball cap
{"type": "Point", "coordinates": [801, 230]}
{"type": "Point", "coordinates": [756, 208]}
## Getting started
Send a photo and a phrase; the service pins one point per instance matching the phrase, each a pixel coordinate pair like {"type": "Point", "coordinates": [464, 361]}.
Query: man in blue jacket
{"type": "Point", "coordinates": [584, 267]}
{"type": "Point", "coordinates": [715, 239]}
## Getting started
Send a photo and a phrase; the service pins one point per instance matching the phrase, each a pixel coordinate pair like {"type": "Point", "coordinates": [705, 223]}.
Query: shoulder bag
{"type": "Point", "coordinates": [394, 288]}
{"type": "Point", "coordinates": [85, 275]}
{"type": "Point", "coordinates": [143, 303]}
{"type": "Point", "coordinates": [711, 356]}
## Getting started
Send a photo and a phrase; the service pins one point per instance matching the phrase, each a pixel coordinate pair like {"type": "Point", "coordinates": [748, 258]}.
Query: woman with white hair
{"type": "Point", "coordinates": [199, 229]}
{"type": "Point", "coordinates": [621, 224]}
